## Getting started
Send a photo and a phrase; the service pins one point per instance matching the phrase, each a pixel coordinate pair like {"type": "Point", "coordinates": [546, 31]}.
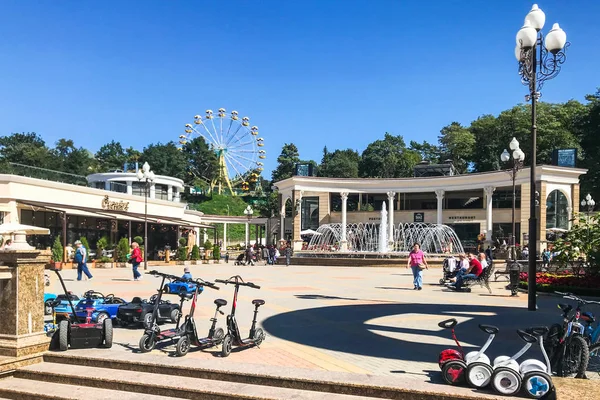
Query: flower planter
{"type": "Point", "coordinates": [121, 264]}
{"type": "Point", "coordinates": [104, 265]}
{"type": "Point", "coordinates": [180, 262]}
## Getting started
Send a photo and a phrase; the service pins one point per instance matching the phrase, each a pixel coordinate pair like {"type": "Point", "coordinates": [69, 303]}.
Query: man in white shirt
{"type": "Point", "coordinates": [483, 260]}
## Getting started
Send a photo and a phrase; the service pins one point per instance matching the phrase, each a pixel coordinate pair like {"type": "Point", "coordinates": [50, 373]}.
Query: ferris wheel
{"type": "Point", "coordinates": [236, 144]}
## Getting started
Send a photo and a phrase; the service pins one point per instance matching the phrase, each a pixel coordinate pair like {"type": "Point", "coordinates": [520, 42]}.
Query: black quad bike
{"type": "Point", "coordinates": [233, 337]}
{"type": "Point", "coordinates": [188, 332]}
{"type": "Point", "coordinates": [140, 311]}
{"type": "Point", "coordinates": [152, 333]}
{"type": "Point", "coordinates": [82, 335]}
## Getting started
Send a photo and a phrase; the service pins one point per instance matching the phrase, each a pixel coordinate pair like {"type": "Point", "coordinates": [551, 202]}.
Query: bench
{"type": "Point", "coordinates": [482, 280]}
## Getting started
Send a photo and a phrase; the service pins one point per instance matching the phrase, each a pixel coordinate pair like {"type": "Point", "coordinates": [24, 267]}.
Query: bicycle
{"type": "Point", "coordinates": [565, 344]}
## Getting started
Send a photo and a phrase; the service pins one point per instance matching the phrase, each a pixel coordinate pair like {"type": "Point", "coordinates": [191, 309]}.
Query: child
{"type": "Point", "coordinates": [186, 273]}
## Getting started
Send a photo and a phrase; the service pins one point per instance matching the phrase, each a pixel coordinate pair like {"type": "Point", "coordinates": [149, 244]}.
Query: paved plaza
{"type": "Point", "coordinates": [344, 319]}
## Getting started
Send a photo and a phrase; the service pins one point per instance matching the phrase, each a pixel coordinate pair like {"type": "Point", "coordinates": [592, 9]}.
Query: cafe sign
{"type": "Point", "coordinates": [107, 204]}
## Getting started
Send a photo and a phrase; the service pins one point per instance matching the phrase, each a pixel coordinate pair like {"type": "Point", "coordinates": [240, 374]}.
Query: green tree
{"type": "Point", "coordinates": [166, 159]}
{"type": "Point", "coordinates": [111, 156]}
{"type": "Point", "coordinates": [122, 250]}
{"type": "Point", "coordinates": [201, 162]}
{"type": "Point", "coordinates": [25, 148]}
{"type": "Point", "coordinates": [57, 250]}
{"type": "Point", "coordinates": [581, 241]}
{"type": "Point", "coordinates": [340, 164]}
{"type": "Point", "coordinates": [71, 159]}
{"type": "Point", "coordinates": [457, 143]}
{"type": "Point", "coordinates": [388, 158]}
{"type": "Point", "coordinates": [588, 127]}
{"type": "Point", "coordinates": [427, 151]}
{"type": "Point", "coordinates": [286, 162]}
{"type": "Point", "coordinates": [195, 253]}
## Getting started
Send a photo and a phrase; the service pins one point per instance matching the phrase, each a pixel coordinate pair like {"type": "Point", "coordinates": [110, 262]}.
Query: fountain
{"type": "Point", "coordinates": [383, 241]}
{"type": "Point", "coordinates": [369, 238]}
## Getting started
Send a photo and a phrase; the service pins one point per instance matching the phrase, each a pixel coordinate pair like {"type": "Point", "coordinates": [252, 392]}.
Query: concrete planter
{"type": "Point", "coordinates": [196, 262]}
{"type": "Point", "coordinates": [104, 265]}
{"type": "Point", "coordinates": [180, 262]}
{"type": "Point", "coordinates": [120, 265]}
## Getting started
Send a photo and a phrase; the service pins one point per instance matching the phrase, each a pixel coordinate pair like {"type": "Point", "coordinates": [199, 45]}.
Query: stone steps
{"type": "Point", "coordinates": [144, 383]}
{"type": "Point", "coordinates": [25, 389]}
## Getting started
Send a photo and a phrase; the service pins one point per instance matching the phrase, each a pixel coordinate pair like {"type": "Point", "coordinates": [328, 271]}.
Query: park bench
{"type": "Point", "coordinates": [482, 280]}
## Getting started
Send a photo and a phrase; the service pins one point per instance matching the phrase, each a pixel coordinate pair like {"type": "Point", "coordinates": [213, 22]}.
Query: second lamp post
{"type": "Point", "coordinates": [146, 176]}
{"type": "Point", "coordinates": [517, 164]}
{"type": "Point", "coordinates": [248, 212]}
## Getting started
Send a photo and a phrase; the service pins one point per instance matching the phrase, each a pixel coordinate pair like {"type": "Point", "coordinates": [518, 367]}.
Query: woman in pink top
{"type": "Point", "coordinates": [415, 258]}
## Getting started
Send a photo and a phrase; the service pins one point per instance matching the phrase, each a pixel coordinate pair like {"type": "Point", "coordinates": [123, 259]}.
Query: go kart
{"type": "Point", "coordinates": [62, 307]}
{"type": "Point", "coordinates": [105, 307]}
{"type": "Point", "coordinates": [48, 297]}
{"type": "Point", "coordinates": [141, 311]}
{"type": "Point", "coordinates": [78, 335]}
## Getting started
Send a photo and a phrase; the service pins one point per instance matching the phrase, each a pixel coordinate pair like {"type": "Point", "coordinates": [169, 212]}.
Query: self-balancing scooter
{"type": "Point", "coordinates": [537, 381]}
{"type": "Point", "coordinates": [233, 337]}
{"type": "Point", "coordinates": [507, 379]}
{"type": "Point", "coordinates": [479, 367]}
{"type": "Point", "coordinates": [189, 334]}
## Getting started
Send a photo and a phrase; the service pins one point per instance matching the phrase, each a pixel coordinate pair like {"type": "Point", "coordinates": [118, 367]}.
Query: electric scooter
{"type": "Point", "coordinates": [507, 379]}
{"type": "Point", "coordinates": [188, 332]}
{"type": "Point", "coordinates": [152, 333]}
{"type": "Point", "coordinates": [537, 381]}
{"type": "Point", "coordinates": [233, 337]}
{"type": "Point", "coordinates": [454, 363]}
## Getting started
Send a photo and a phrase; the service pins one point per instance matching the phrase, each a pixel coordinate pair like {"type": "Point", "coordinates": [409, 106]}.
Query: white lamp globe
{"type": "Point", "coordinates": [583, 203]}
{"type": "Point", "coordinates": [514, 144]}
{"type": "Point", "coordinates": [536, 17]}
{"type": "Point", "coordinates": [588, 197]}
{"type": "Point", "coordinates": [592, 203]}
{"type": "Point", "coordinates": [140, 175]}
{"type": "Point", "coordinates": [518, 55]}
{"type": "Point", "coordinates": [555, 39]}
{"type": "Point", "coordinates": [151, 175]}
{"type": "Point", "coordinates": [521, 155]}
{"type": "Point", "coordinates": [146, 167]}
{"type": "Point", "coordinates": [527, 36]}
{"type": "Point", "coordinates": [505, 156]}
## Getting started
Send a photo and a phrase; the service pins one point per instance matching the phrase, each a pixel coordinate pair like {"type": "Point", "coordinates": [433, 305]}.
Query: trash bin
{"type": "Point", "coordinates": [514, 273]}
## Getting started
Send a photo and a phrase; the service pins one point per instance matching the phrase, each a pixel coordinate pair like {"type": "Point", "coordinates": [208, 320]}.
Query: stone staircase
{"type": "Point", "coordinates": [155, 377]}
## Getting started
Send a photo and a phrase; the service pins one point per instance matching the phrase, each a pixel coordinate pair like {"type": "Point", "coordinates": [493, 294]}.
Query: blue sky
{"type": "Point", "coordinates": [313, 72]}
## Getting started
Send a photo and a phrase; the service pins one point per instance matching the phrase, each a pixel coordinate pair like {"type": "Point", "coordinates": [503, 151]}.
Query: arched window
{"type": "Point", "coordinates": [557, 215]}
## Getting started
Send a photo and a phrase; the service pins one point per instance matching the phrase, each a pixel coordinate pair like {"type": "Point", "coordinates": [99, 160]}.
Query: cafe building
{"type": "Point", "coordinates": [475, 205]}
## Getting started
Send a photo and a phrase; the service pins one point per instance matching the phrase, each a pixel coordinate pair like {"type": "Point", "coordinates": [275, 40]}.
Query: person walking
{"type": "Point", "coordinates": [288, 255]}
{"type": "Point", "coordinates": [136, 259]}
{"type": "Point", "coordinates": [81, 260]}
{"type": "Point", "coordinates": [417, 262]}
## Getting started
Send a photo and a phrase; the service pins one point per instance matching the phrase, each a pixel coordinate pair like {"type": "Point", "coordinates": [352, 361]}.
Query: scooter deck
{"type": "Point", "coordinates": [168, 334]}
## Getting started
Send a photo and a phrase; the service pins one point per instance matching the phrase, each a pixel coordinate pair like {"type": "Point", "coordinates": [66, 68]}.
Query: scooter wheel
{"type": "Point", "coordinates": [167, 289]}
{"type": "Point", "coordinates": [453, 372]}
{"type": "Point", "coordinates": [147, 322]}
{"type": "Point", "coordinates": [479, 374]}
{"type": "Point", "coordinates": [108, 333]}
{"type": "Point", "coordinates": [259, 336]}
{"type": "Point", "coordinates": [183, 346]}
{"type": "Point", "coordinates": [147, 343]}
{"type": "Point", "coordinates": [226, 346]}
{"type": "Point", "coordinates": [442, 281]}
{"type": "Point", "coordinates": [537, 384]}
{"type": "Point", "coordinates": [218, 335]}
{"type": "Point", "coordinates": [63, 335]}
{"type": "Point", "coordinates": [506, 381]}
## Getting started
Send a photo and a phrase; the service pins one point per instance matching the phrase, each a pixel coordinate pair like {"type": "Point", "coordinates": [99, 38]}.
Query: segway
{"type": "Point", "coordinates": [537, 379]}
{"type": "Point", "coordinates": [507, 379]}
{"type": "Point", "coordinates": [479, 367]}
{"type": "Point", "coordinates": [233, 337]}
{"type": "Point", "coordinates": [152, 333]}
{"type": "Point", "coordinates": [188, 332]}
{"type": "Point", "coordinates": [78, 335]}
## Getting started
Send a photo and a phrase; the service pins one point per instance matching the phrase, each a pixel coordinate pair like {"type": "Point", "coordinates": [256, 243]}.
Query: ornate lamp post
{"type": "Point", "coordinates": [539, 60]}
{"type": "Point", "coordinates": [517, 164]}
{"type": "Point", "coordinates": [147, 177]}
{"type": "Point", "coordinates": [248, 213]}
{"type": "Point", "coordinates": [588, 205]}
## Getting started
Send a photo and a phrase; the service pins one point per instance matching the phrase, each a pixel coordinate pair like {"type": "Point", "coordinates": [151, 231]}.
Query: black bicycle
{"type": "Point", "coordinates": [565, 343]}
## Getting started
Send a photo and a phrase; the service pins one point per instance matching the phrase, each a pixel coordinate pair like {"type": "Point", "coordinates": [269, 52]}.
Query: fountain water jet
{"type": "Point", "coordinates": [383, 241]}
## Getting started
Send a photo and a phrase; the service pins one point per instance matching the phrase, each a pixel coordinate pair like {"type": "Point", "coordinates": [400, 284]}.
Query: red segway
{"type": "Point", "coordinates": [452, 361]}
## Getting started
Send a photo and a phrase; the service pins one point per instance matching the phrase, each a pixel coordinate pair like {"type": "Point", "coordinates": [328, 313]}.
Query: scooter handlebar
{"type": "Point", "coordinates": [538, 330]}
{"type": "Point", "coordinates": [232, 282]}
{"type": "Point", "coordinates": [489, 329]}
{"type": "Point", "coordinates": [527, 337]}
{"type": "Point", "coordinates": [448, 324]}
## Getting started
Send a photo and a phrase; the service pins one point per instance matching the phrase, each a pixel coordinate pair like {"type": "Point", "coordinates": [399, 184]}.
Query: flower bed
{"type": "Point", "coordinates": [564, 282]}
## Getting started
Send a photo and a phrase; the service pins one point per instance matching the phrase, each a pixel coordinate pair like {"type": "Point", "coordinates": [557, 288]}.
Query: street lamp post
{"type": "Point", "coordinates": [539, 60]}
{"type": "Point", "coordinates": [147, 177]}
{"type": "Point", "coordinates": [248, 213]}
{"type": "Point", "coordinates": [588, 205]}
{"type": "Point", "coordinates": [517, 164]}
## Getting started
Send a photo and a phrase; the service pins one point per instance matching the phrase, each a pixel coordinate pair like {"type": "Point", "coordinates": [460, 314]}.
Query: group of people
{"type": "Point", "coordinates": [269, 254]}
{"type": "Point", "coordinates": [470, 266]}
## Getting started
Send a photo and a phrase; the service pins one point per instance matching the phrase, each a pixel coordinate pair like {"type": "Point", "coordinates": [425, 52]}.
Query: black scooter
{"type": "Point", "coordinates": [152, 333]}
{"type": "Point", "coordinates": [188, 332]}
{"type": "Point", "coordinates": [233, 337]}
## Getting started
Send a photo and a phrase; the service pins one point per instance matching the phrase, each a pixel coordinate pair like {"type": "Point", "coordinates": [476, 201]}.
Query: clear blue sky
{"type": "Point", "coordinates": [338, 73]}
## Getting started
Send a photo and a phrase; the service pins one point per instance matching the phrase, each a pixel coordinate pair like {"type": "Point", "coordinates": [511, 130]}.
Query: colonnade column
{"type": "Point", "coordinates": [489, 195]}
{"type": "Point", "coordinates": [282, 219]}
{"type": "Point", "coordinates": [129, 187]}
{"type": "Point", "coordinates": [170, 193]}
{"type": "Point", "coordinates": [225, 234]}
{"type": "Point", "coordinates": [344, 241]}
{"type": "Point", "coordinates": [440, 202]}
{"type": "Point", "coordinates": [391, 196]}
{"type": "Point", "coordinates": [153, 191]}
{"type": "Point", "coordinates": [176, 197]}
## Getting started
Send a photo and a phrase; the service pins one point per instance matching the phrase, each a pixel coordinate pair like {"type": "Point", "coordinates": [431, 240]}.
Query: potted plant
{"type": "Point", "coordinates": [122, 251]}
{"type": "Point", "coordinates": [57, 253]}
{"type": "Point", "coordinates": [104, 262]}
{"type": "Point", "coordinates": [208, 250]}
{"type": "Point", "coordinates": [181, 255]}
{"type": "Point", "coordinates": [195, 254]}
{"type": "Point", "coordinates": [216, 254]}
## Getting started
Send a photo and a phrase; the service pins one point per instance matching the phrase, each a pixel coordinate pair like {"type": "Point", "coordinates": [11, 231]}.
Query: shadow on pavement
{"type": "Point", "coordinates": [322, 297]}
{"type": "Point", "coordinates": [349, 328]}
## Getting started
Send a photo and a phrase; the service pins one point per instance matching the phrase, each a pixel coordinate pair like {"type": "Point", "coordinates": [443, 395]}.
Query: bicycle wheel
{"type": "Point", "coordinates": [576, 358]}
{"type": "Point", "coordinates": [593, 368]}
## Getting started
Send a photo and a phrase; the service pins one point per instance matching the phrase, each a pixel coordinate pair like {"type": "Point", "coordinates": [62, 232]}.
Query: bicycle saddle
{"type": "Point", "coordinates": [489, 329]}
{"type": "Point", "coordinates": [565, 307]}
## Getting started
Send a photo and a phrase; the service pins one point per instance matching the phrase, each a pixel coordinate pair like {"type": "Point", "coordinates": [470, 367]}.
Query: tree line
{"type": "Point", "coordinates": [473, 148]}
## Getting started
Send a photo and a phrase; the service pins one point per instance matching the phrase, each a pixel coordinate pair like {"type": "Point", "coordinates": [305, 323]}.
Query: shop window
{"type": "Point", "coordinates": [503, 198]}
{"type": "Point", "coordinates": [464, 200]}
{"type": "Point", "coordinates": [418, 201]}
{"type": "Point", "coordinates": [27, 217]}
{"type": "Point", "coordinates": [557, 216]}
{"type": "Point", "coordinates": [336, 202]}
{"type": "Point", "coordinates": [310, 213]}
{"type": "Point", "coordinates": [502, 231]}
